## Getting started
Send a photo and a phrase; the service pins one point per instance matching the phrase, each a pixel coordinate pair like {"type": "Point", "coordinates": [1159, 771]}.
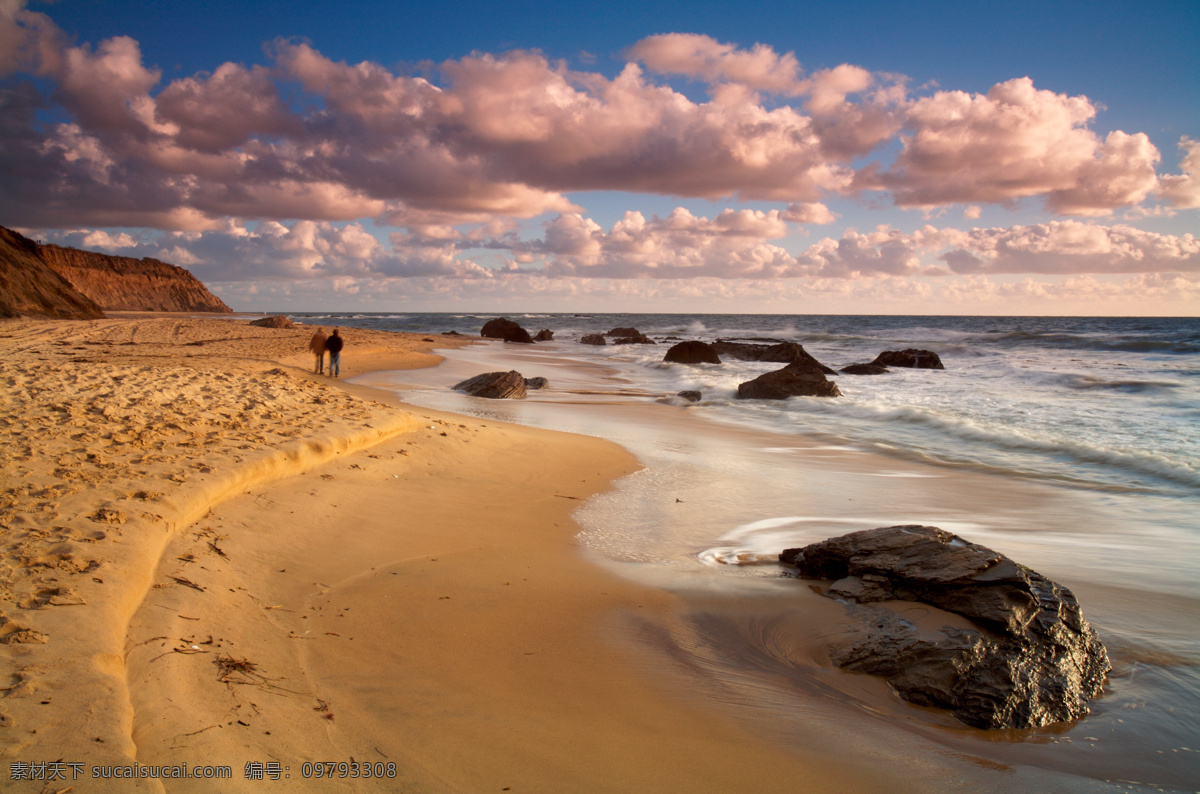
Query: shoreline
{"type": "Point", "coordinates": [99, 678]}
{"type": "Point", "coordinates": [576, 673]}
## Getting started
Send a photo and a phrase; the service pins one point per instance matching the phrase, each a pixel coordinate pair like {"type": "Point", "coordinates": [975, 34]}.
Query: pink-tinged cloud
{"type": "Point", "coordinates": [510, 135]}
{"type": "Point", "coordinates": [1183, 191]}
{"type": "Point", "coordinates": [759, 68]}
{"type": "Point", "coordinates": [1015, 142]}
{"type": "Point", "coordinates": [743, 244]}
{"type": "Point", "coordinates": [225, 109]}
{"type": "Point", "coordinates": [1067, 247]}
{"type": "Point", "coordinates": [1151, 294]}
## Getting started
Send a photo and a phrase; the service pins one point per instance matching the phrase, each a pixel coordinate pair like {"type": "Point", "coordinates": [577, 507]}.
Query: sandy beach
{"type": "Point", "coordinates": [216, 558]}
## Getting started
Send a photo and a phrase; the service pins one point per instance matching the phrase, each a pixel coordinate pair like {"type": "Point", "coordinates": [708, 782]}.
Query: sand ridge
{"type": "Point", "coordinates": [114, 435]}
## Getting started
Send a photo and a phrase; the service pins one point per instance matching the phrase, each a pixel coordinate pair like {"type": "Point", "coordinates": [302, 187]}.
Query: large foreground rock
{"type": "Point", "coordinates": [693, 352]}
{"type": "Point", "coordinates": [802, 379]}
{"type": "Point", "coordinates": [918, 359]}
{"type": "Point", "coordinates": [506, 329]}
{"type": "Point", "coordinates": [1030, 660]}
{"type": "Point", "coordinates": [494, 385]}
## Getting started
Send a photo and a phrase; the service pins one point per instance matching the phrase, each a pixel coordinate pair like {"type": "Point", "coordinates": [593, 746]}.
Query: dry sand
{"type": "Point", "coordinates": [213, 556]}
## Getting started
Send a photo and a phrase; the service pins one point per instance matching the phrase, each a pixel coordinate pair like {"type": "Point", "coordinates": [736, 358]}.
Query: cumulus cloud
{"type": "Point", "coordinates": [489, 138]}
{"type": "Point", "coordinates": [1071, 247]}
{"type": "Point", "coordinates": [1183, 191]}
{"type": "Point", "coordinates": [1015, 141]}
{"type": "Point", "coordinates": [733, 245]}
{"type": "Point", "coordinates": [697, 56]}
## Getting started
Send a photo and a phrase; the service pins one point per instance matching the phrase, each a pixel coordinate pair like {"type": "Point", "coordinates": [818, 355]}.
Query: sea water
{"type": "Point", "coordinates": [1070, 444]}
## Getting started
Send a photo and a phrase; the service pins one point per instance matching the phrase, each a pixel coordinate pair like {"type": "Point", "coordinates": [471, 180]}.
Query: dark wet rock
{"type": "Point", "coordinates": [863, 369]}
{"type": "Point", "coordinates": [801, 379]}
{"type": "Point", "coordinates": [1030, 658]}
{"type": "Point", "coordinates": [739, 351]}
{"type": "Point", "coordinates": [776, 352]}
{"type": "Point", "coordinates": [278, 321]}
{"type": "Point", "coordinates": [792, 353]}
{"type": "Point", "coordinates": [534, 384]}
{"type": "Point", "coordinates": [633, 340]}
{"type": "Point", "coordinates": [451, 333]}
{"type": "Point", "coordinates": [506, 329]}
{"type": "Point", "coordinates": [693, 352]}
{"type": "Point", "coordinates": [494, 385]}
{"type": "Point", "coordinates": [690, 395]}
{"type": "Point", "coordinates": [544, 335]}
{"type": "Point", "coordinates": [623, 331]}
{"type": "Point", "coordinates": [593, 339]}
{"type": "Point", "coordinates": [913, 358]}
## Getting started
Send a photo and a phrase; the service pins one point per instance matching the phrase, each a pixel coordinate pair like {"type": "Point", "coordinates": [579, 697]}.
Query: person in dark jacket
{"type": "Point", "coordinates": [334, 345]}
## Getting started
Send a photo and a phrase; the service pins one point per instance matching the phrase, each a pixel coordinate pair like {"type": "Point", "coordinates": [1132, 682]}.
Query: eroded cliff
{"type": "Point", "coordinates": [28, 286]}
{"type": "Point", "coordinates": [120, 283]}
{"type": "Point", "coordinates": [54, 281]}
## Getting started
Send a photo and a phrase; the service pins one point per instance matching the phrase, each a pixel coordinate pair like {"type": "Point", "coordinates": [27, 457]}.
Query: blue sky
{"type": "Point", "coordinates": [845, 157]}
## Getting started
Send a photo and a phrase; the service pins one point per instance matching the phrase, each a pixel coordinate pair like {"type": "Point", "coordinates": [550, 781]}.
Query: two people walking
{"type": "Point", "coordinates": [319, 344]}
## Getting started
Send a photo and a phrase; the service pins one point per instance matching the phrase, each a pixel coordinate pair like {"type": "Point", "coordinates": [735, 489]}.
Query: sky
{"type": "Point", "coordinates": [695, 157]}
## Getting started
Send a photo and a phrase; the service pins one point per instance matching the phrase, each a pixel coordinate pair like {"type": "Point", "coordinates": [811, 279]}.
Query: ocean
{"type": "Point", "coordinates": [1070, 444]}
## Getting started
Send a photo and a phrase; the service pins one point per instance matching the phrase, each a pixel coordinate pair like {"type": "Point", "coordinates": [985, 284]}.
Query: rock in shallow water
{"type": "Point", "coordinates": [801, 379]}
{"type": "Point", "coordinates": [917, 359]}
{"type": "Point", "coordinates": [1032, 660]}
{"type": "Point", "coordinates": [506, 329]}
{"type": "Point", "coordinates": [494, 385]}
{"type": "Point", "coordinates": [692, 352]}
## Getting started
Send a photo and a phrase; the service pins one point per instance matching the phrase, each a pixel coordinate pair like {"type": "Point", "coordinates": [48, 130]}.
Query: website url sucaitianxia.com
{"type": "Point", "coordinates": [75, 770]}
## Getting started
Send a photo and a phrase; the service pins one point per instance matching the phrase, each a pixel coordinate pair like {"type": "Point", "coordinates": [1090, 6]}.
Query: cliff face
{"type": "Point", "coordinates": [29, 286]}
{"type": "Point", "coordinates": [53, 281]}
{"type": "Point", "coordinates": [119, 283]}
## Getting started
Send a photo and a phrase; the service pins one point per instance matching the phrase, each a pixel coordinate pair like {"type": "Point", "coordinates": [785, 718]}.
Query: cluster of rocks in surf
{"type": "Point", "coordinates": [801, 375]}
{"type": "Point", "coordinates": [1030, 658]}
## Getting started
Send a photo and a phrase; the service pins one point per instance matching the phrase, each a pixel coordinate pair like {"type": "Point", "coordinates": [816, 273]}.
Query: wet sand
{"type": "Point", "coordinates": [202, 540]}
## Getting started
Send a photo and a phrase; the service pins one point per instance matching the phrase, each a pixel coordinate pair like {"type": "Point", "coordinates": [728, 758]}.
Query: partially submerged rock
{"type": "Point", "coordinates": [1030, 660]}
{"type": "Point", "coordinates": [767, 350]}
{"type": "Point", "coordinates": [792, 353]}
{"type": "Point", "coordinates": [506, 329]}
{"type": "Point", "coordinates": [533, 384]}
{"type": "Point", "coordinates": [639, 339]}
{"type": "Point", "coordinates": [623, 331]}
{"type": "Point", "coordinates": [544, 335]}
{"type": "Point", "coordinates": [278, 321]}
{"type": "Point", "coordinates": [918, 359]}
{"type": "Point", "coordinates": [691, 395]}
{"type": "Point", "coordinates": [864, 369]}
{"type": "Point", "coordinates": [801, 379]}
{"type": "Point", "coordinates": [592, 339]}
{"type": "Point", "coordinates": [693, 352]}
{"type": "Point", "coordinates": [494, 385]}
